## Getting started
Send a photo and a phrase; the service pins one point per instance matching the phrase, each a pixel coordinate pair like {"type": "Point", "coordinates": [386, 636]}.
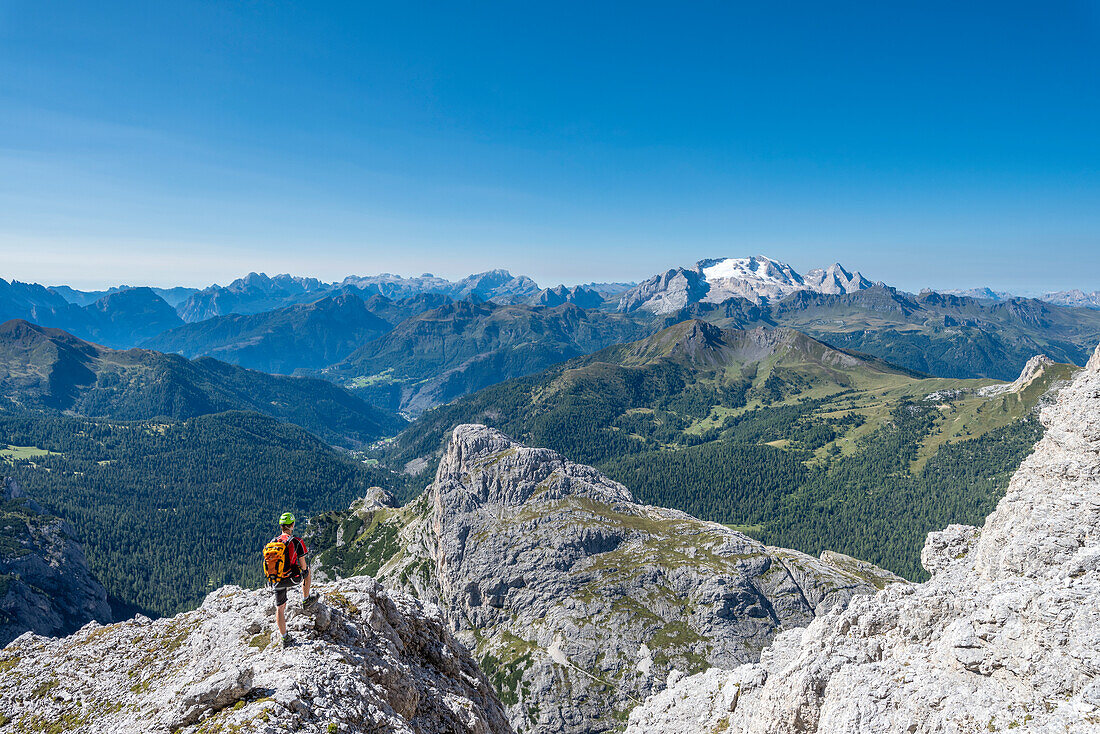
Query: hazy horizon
{"type": "Point", "coordinates": [97, 285]}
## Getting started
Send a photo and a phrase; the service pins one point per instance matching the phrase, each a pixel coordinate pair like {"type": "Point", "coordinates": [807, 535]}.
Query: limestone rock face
{"type": "Point", "coordinates": [836, 280]}
{"type": "Point", "coordinates": [1004, 637]}
{"type": "Point", "coordinates": [45, 584]}
{"type": "Point", "coordinates": [667, 292]}
{"type": "Point", "coordinates": [577, 600]}
{"type": "Point", "coordinates": [556, 296]}
{"type": "Point", "coordinates": [363, 660]}
{"type": "Point", "coordinates": [1032, 371]}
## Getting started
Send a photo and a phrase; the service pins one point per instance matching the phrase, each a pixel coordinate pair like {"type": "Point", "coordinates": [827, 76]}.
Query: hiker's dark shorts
{"type": "Point", "coordinates": [282, 586]}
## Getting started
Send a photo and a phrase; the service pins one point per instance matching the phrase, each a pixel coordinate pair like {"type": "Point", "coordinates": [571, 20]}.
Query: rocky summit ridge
{"type": "Point", "coordinates": [1004, 637]}
{"type": "Point", "coordinates": [364, 661]}
{"type": "Point", "coordinates": [577, 600]}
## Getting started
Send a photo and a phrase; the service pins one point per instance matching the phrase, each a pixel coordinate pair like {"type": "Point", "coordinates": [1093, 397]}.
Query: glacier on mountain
{"type": "Point", "coordinates": [757, 279]}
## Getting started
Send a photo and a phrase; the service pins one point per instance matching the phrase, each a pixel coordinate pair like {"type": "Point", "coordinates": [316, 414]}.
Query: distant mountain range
{"type": "Point", "coordinates": [310, 335]}
{"type": "Point", "coordinates": [354, 331]}
{"type": "Point", "coordinates": [945, 336]}
{"type": "Point", "coordinates": [49, 368]}
{"type": "Point", "coordinates": [984, 293]}
{"type": "Point", "coordinates": [1076, 297]}
{"type": "Point", "coordinates": [120, 318]}
{"type": "Point", "coordinates": [172, 296]}
{"type": "Point", "coordinates": [251, 294]}
{"type": "Point", "coordinates": [461, 347]}
{"type": "Point", "coordinates": [257, 292]}
{"type": "Point", "coordinates": [577, 295]}
{"type": "Point", "coordinates": [493, 285]}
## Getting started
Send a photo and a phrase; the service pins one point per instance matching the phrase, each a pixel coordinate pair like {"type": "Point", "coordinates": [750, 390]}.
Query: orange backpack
{"type": "Point", "coordinates": [280, 558]}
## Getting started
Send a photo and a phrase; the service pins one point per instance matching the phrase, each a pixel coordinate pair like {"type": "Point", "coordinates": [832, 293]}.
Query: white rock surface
{"type": "Point", "coordinates": [364, 660]}
{"type": "Point", "coordinates": [1004, 637]}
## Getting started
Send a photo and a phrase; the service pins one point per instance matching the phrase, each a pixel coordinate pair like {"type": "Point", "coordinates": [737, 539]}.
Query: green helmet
{"type": "Point", "coordinates": [287, 518]}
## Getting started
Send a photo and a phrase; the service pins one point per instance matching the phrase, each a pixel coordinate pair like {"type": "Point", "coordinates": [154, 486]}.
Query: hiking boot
{"type": "Point", "coordinates": [309, 601]}
{"type": "Point", "coordinates": [286, 640]}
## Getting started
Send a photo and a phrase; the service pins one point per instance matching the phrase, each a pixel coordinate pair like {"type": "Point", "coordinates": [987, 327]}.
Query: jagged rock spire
{"type": "Point", "coordinates": [561, 579]}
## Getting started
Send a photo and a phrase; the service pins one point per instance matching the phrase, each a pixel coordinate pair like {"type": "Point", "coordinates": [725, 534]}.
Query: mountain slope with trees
{"type": "Point", "coordinates": [45, 584]}
{"type": "Point", "coordinates": [771, 431]}
{"type": "Point", "coordinates": [49, 368]}
{"type": "Point", "coordinates": [169, 510]}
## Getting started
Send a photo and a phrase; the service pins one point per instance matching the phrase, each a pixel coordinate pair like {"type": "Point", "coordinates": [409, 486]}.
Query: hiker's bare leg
{"type": "Point", "coordinates": [305, 585]}
{"type": "Point", "coordinates": [280, 618]}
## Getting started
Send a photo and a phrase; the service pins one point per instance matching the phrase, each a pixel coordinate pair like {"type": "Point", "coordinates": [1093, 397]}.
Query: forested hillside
{"type": "Point", "coordinates": [771, 431]}
{"type": "Point", "coordinates": [173, 471]}
{"type": "Point", "coordinates": [50, 368]}
{"type": "Point", "coordinates": [169, 510]}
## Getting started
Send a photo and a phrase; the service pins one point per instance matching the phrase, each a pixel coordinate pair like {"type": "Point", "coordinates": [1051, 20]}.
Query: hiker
{"type": "Point", "coordinates": [285, 566]}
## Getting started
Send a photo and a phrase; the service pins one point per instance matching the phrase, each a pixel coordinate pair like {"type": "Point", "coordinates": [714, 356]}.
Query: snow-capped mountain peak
{"type": "Point", "coordinates": [757, 279]}
{"type": "Point", "coordinates": [754, 278]}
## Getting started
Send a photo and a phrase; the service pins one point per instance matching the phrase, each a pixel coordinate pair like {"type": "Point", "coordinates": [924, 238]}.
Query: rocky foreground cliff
{"type": "Point", "coordinates": [1004, 637]}
{"type": "Point", "coordinates": [577, 600]}
{"type": "Point", "coordinates": [364, 662]}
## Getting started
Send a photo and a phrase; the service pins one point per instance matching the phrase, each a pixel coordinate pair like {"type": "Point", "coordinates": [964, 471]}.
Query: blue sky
{"type": "Point", "coordinates": [944, 144]}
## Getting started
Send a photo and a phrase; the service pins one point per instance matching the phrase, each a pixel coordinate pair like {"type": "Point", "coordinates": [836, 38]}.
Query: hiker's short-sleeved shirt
{"type": "Point", "coordinates": [300, 550]}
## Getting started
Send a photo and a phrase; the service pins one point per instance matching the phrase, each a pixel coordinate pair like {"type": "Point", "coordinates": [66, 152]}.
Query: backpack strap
{"type": "Point", "coordinates": [292, 551]}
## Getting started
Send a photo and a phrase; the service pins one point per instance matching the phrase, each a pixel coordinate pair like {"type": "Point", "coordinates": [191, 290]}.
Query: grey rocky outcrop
{"type": "Point", "coordinates": [836, 280]}
{"type": "Point", "coordinates": [1031, 372]}
{"type": "Point", "coordinates": [364, 661]}
{"type": "Point", "coordinates": [45, 584]}
{"type": "Point", "coordinates": [577, 600]}
{"type": "Point", "coordinates": [556, 296]}
{"type": "Point", "coordinates": [665, 293]}
{"type": "Point", "coordinates": [1004, 637]}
